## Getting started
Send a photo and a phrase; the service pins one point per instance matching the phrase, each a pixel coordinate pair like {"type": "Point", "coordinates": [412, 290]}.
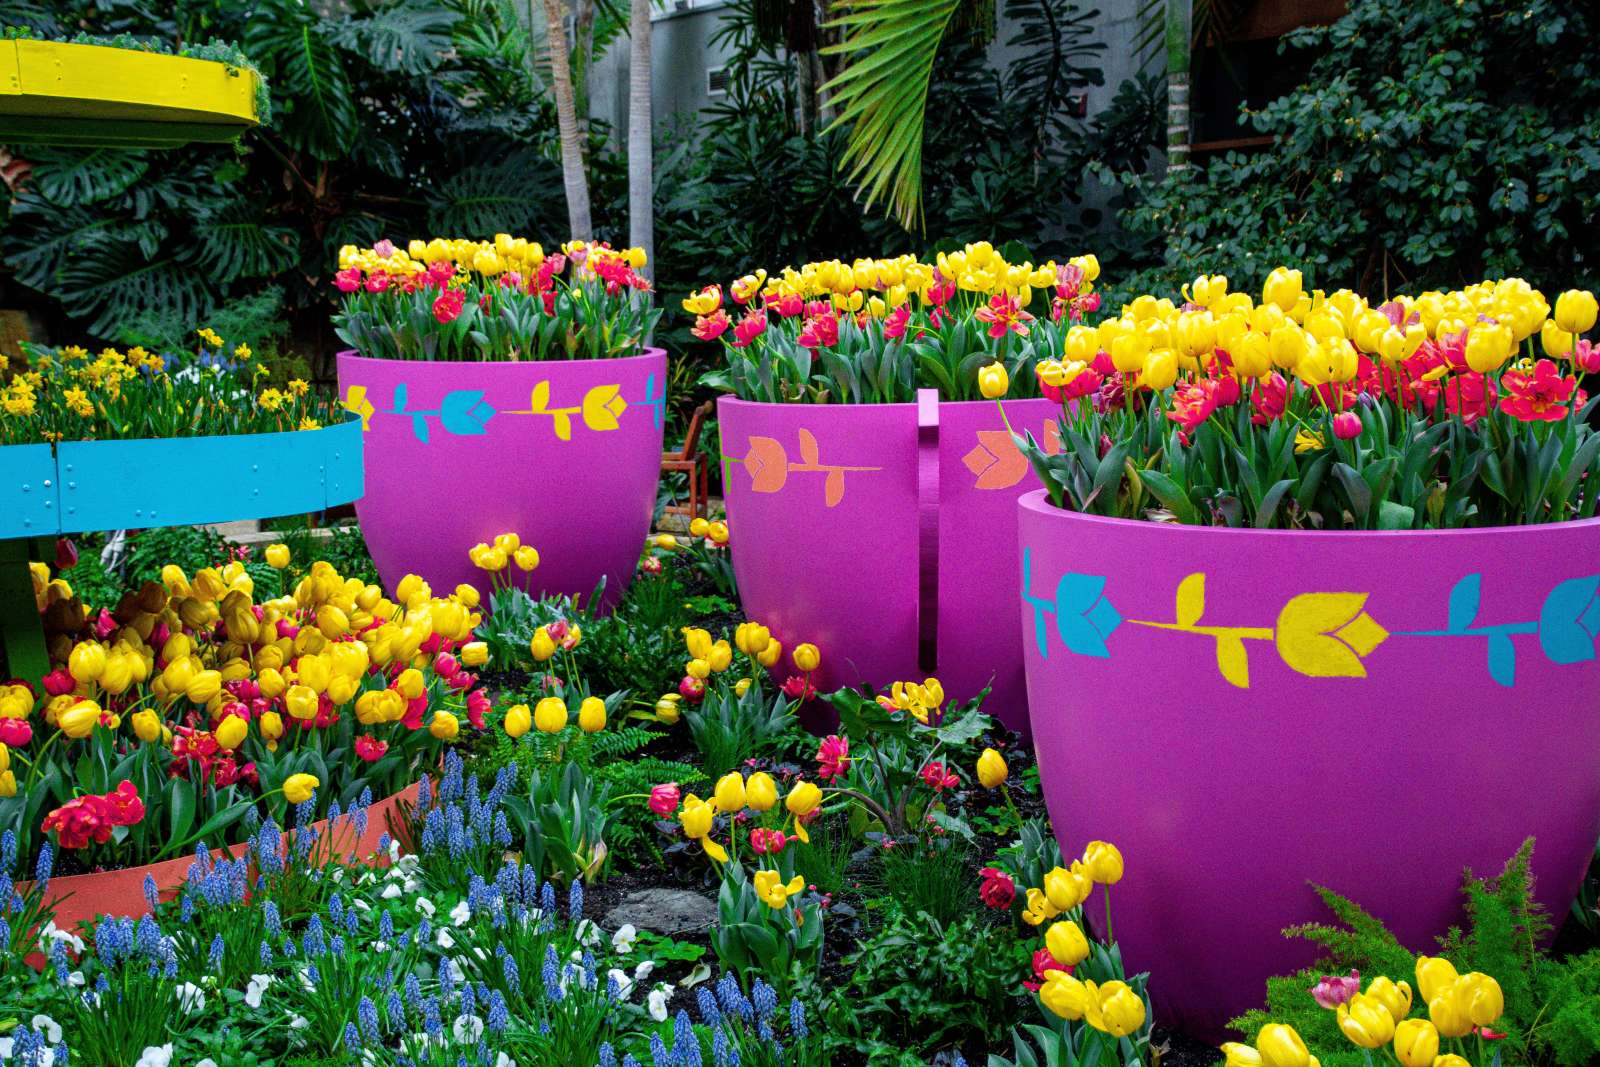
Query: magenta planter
{"type": "Point", "coordinates": [1247, 712]}
{"type": "Point", "coordinates": [878, 532]}
{"type": "Point", "coordinates": [565, 454]}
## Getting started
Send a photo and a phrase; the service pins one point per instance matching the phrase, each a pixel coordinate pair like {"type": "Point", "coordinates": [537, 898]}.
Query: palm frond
{"type": "Point", "coordinates": [882, 95]}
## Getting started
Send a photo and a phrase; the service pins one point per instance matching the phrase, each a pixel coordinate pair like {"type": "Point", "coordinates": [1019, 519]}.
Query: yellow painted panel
{"type": "Point", "coordinates": [95, 82]}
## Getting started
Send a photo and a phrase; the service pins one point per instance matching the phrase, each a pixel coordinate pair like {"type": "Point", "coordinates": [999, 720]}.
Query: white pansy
{"type": "Point", "coordinates": [75, 979]}
{"type": "Point", "coordinates": [657, 1001]}
{"type": "Point", "coordinates": [622, 941]}
{"type": "Point", "coordinates": [467, 1029]}
{"type": "Point", "coordinates": [156, 1056]}
{"type": "Point", "coordinates": [641, 972]}
{"type": "Point", "coordinates": [391, 891]}
{"type": "Point", "coordinates": [502, 1060]}
{"type": "Point", "coordinates": [623, 980]}
{"type": "Point", "coordinates": [48, 1027]}
{"type": "Point", "coordinates": [207, 1062]}
{"type": "Point", "coordinates": [426, 906]}
{"type": "Point", "coordinates": [589, 934]}
{"type": "Point", "coordinates": [444, 939]}
{"type": "Point", "coordinates": [52, 932]}
{"type": "Point", "coordinates": [456, 973]}
{"type": "Point", "coordinates": [298, 1022]}
{"type": "Point", "coordinates": [191, 998]}
{"type": "Point", "coordinates": [361, 904]}
{"type": "Point", "coordinates": [460, 914]}
{"type": "Point", "coordinates": [257, 987]}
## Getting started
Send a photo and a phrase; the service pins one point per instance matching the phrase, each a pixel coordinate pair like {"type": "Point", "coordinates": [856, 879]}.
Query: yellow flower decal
{"type": "Point", "coordinates": [355, 399]}
{"type": "Point", "coordinates": [1327, 635]}
{"type": "Point", "coordinates": [602, 406]}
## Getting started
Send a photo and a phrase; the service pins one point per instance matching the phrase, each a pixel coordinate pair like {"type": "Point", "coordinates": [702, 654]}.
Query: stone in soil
{"type": "Point", "coordinates": [664, 911]}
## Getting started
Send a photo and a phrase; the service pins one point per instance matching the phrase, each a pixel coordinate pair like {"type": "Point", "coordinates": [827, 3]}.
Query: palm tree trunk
{"type": "Point", "coordinates": [1179, 16]}
{"type": "Point", "coordinates": [641, 172]}
{"type": "Point", "coordinates": [572, 173]}
{"type": "Point", "coordinates": [582, 61]}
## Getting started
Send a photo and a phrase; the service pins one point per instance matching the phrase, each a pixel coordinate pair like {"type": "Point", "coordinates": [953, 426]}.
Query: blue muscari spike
{"type": "Point", "coordinates": [710, 1014]}
{"type": "Point", "coordinates": [589, 981]}
{"type": "Point", "coordinates": [58, 953]}
{"type": "Point", "coordinates": [551, 973]}
{"type": "Point", "coordinates": [288, 947]}
{"type": "Point", "coordinates": [413, 993]}
{"type": "Point", "coordinates": [530, 885]}
{"type": "Point", "coordinates": [547, 898]}
{"type": "Point", "coordinates": [352, 1038]}
{"type": "Point", "coordinates": [659, 1056]}
{"type": "Point", "coordinates": [44, 865]}
{"type": "Point", "coordinates": [336, 946]}
{"type": "Point", "coordinates": [424, 931]}
{"type": "Point", "coordinates": [313, 941]}
{"type": "Point", "coordinates": [386, 927]}
{"type": "Point", "coordinates": [151, 896]}
{"type": "Point", "coordinates": [499, 1015]}
{"type": "Point", "coordinates": [608, 1057]}
{"type": "Point", "coordinates": [384, 842]}
{"type": "Point", "coordinates": [214, 957]}
{"type": "Point", "coordinates": [575, 901]}
{"type": "Point", "coordinates": [424, 793]}
{"type": "Point", "coordinates": [719, 1047]}
{"type": "Point", "coordinates": [8, 852]}
{"type": "Point", "coordinates": [367, 1015]}
{"type": "Point", "coordinates": [502, 830]}
{"type": "Point", "coordinates": [613, 989]}
{"type": "Point", "coordinates": [765, 998]}
{"type": "Point", "coordinates": [513, 975]}
{"type": "Point", "coordinates": [266, 954]}
{"type": "Point", "coordinates": [273, 921]}
{"type": "Point", "coordinates": [629, 1061]}
{"type": "Point", "coordinates": [797, 1018]}
{"type": "Point", "coordinates": [396, 1009]}
{"type": "Point", "coordinates": [352, 921]}
{"type": "Point", "coordinates": [959, 1061]}
{"type": "Point", "coordinates": [186, 912]}
{"type": "Point", "coordinates": [469, 1000]}
{"type": "Point", "coordinates": [313, 975]}
{"type": "Point", "coordinates": [685, 1046]}
{"type": "Point", "coordinates": [336, 909]}
{"type": "Point", "coordinates": [447, 983]}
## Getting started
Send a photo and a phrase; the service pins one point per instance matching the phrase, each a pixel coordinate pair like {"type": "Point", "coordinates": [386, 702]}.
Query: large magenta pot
{"type": "Point", "coordinates": [1246, 713]}
{"type": "Point", "coordinates": [566, 454]}
{"type": "Point", "coordinates": [876, 532]}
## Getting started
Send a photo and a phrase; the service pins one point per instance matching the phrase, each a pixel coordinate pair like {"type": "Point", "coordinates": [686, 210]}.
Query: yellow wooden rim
{"type": "Point", "coordinates": [55, 80]}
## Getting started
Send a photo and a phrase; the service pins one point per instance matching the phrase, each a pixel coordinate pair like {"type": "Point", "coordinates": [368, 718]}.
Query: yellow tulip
{"type": "Point", "coordinates": [277, 556]}
{"type": "Point", "coordinates": [231, 732]}
{"type": "Point", "coordinates": [741, 687]}
{"type": "Point", "coordinates": [1283, 288]}
{"type": "Point", "coordinates": [769, 656]}
{"type": "Point", "coordinates": [411, 684]}
{"type": "Point", "coordinates": [444, 726]}
{"type": "Point", "coordinates": [1160, 370]}
{"type": "Point", "coordinates": [467, 594]}
{"type": "Point", "coordinates": [1365, 1021]}
{"type": "Point", "coordinates": [697, 668]}
{"type": "Point", "coordinates": [1416, 1043]}
{"type": "Point", "coordinates": [1450, 1059]}
{"type": "Point", "coordinates": [1393, 996]}
{"type": "Point", "coordinates": [1435, 975]}
{"type": "Point", "coordinates": [1576, 310]}
{"type": "Point", "coordinates": [542, 646]}
{"type": "Point", "coordinates": [299, 788]}
{"type": "Point", "coordinates": [667, 709]}
{"type": "Point", "coordinates": [527, 557]}
{"type": "Point", "coordinates": [87, 662]}
{"type": "Point", "coordinates": [1115, 1008]}
{"type": "Point", "coordinates": [1278, 1045]}
{"type": "Point", "coordinates": [1449, 1015]}
{"type": "Point", "coordinates": [8, 783]}
{"type": "Point", "coordinates": [696, 817]}
{"type": "Point", "coordinates": [993, 381]}
{"type": "Point", "coordinates": [1064, 995]}
{"type": "Point", "coordinates": [271, 725]}
{"type": "Point", "coordinates": [1066, 943]}
{"type": "Point", "coordinates": [1066, 889]}
{"type": "Point", "coordinates": [729, 793]}
{"type": "Point", "coordinates": [770, 887]}
{"type": "Point", "coordinates": [1479, 998]}
{"type": "Point", "coordinates": [592, 715]}
{"type": "Point", "coordinates": [302, 702]}
{"type": "Point", "coordinates": [697, 641]}
{"type": "Point", "coordinates": [992, 769]}
{"type": "Point", "coordinates": [1236, 1054]}
{"type": "Point", "coordinates": [803, 798]}
{"type": "Point", "coordinates": [721, 656]}
{"type": "Point", "coordinates": [761, 792]}
{"type": "Point", "coordinates": [1558, 343]}
{"type": "Point", "coordinates": [147, 725]}
{"type": "Point", "coordinates": [79, 720]}
{"type": "Point", "coordinates": [1103, 862]}
{"type": "Point", "coordinates": [550, 715]}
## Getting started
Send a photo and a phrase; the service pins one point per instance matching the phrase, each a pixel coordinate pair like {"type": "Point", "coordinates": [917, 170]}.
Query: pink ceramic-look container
{"type": "Point", "coordinates": [835, 510]}
{"type": "Point", "coordinates": [564, 453]}
{"type": "Point", "coordinates": [1371, 712]}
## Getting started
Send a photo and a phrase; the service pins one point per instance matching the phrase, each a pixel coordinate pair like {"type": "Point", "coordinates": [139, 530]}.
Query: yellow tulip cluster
{"type": "Point", "coordinates": [734, 793]}
{"type": "Point", "coordinates": [1458, 1004]}
{"type": "Point", "coordinates": [877, 286]}
{"type": "Point", "coordinates": [551, 716]}
{"type": "Point", "coordinates": [507, 549]}
{"type": "Point", "coordinates": [488, 258]}
{"type": "Point", "coordinates": [921, 700]}
{"type": "Point", "coordinates": [1110, 1007]}
{"type": "Point", "coordinates": [1067, 888]}
{"type": "Point", "coordinates": [1317, 336]}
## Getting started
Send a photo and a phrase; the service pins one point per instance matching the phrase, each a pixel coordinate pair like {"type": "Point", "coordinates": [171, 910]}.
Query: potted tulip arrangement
{"type": "Point", "coordinates": [471, 357]}
{"type": "Point", "coordinates": [861, 454]}
{"type": "Point", "coordinates": [1325, 540]}
{"type": "Point", "coordinates": [196, 708]}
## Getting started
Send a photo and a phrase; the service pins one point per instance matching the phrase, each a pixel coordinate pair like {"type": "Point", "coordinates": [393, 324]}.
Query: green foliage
{"type": "Point", "coordinates": [631, 836]}
{"type": "Point", "coordinates": [932, 877]}
{"type": "Point", "coordinates": [1434, 142]}
{"type": "Point", "coordinates": [918, 986]}
{"type": "Point", "coordinates": [1552, 1004]}
{"type": "Point", "coordinates": [728, 728]}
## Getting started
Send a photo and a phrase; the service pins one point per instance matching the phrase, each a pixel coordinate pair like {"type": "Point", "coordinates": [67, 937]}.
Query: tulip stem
{"type": "Point", "coordinates": [1110, 938]}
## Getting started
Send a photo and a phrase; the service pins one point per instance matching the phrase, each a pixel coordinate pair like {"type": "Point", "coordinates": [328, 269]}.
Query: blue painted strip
{"type": "Point", "coordinates": [108, 485]}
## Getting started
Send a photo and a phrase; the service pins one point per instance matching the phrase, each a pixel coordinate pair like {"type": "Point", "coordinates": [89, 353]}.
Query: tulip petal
{"type": "Point", "coordinates": [1570, 619]}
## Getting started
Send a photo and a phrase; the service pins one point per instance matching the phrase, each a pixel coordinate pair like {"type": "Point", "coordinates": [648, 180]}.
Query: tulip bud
{"type": "Point", "coordinates": [1479, 998]}
{"type": "Point", "coordinates": [1066, 943]}
{"type": "Point", "coordinates": [302, 702]}
{"type": "Point", "coordinates": [698, 642]}
{"type": "Point", "coordinates": [667, 708]}
{"type": "Point", "coordinates": [992, 769]}
{"type": "Point", "coordinates": [730, 792]}
{"type": "Point", "coordinates": [993, 381]}
{"type": "Point", "coordinates": [1365, 1021]}
{"type": "Point", "coordinates": [592, 715]}
{"type": "Point", "coordinates": [231, 732]}
{"type": "Point", "coordinates": [147, 725]}
{"type": "Point", "coordinates": [806, 657]}
{"type": "Point", "coordinates": [1103, 862]}
{"type": "Point", "coordinates": [79, 720]}
{"type": "Point", "coordinates": [277, 556]}
{"type": "Point", "coordinates": [444, 726]}
{"type": "Point", "coordinates": [526, 557]}
{"type": "Point", "coordinates": [518, 720]}
{"type": "Point", "coordinates": [1416, 1043]}
{"type": "Point", "coordinates": [299, 788]}
{"type": "Point", "coordinates": [761, 792]}
{"type": "Point", "coordinates": [88, 661]}
{"type": "Point", "coordinates": [550, 715]}
{"type": "Point", "coordinates": [721, 656]}
{"type": "Point", "coordinates": [1576, 310]}
{"type": "Point", "coordinates": [1115, 1009]}
{"type": "Point", "coordinates": [271, 725]}
{"type": "Point", "coordinates": [541, 645]}
{"type": "Point", "coordinates": [1278, 1045]}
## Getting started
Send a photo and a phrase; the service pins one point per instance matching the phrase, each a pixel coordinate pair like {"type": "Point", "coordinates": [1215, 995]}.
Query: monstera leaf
{"type": "Point", "coordinates": [310, 75]}
{"type": "Point", "coordinates": [70, 178]}
{"type": "Point", "coordinates": [119, 285]}
{"type": "Point", "coordinates": [404, 38]}
{"type": "Point", "coordinates": [236, 242]}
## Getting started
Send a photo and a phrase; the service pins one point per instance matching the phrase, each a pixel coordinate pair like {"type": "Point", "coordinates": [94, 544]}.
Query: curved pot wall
{"type": "Point", "coordinates": [878, 532]}
{"type": "Point", "coordinates": [566, 454]}
{"type": "Point", "coordinates": [1245, 713]}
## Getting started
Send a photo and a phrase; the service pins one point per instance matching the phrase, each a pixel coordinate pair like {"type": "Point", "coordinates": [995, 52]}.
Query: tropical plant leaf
{"type": "Point", "coordinates": [321, 117]}
{"type": "Point", "coordinates": [71, 178]}
{"type": "Point", "coordinates": [236, 243]}
{"type": "Point", "coordinates": [490, 197]}
{"type": "Point", "coordinates": [120, 284]}
{"type": "Point", "coordinates": [882, 95]}
{"type": "Point", "coordinates": [404, 38]}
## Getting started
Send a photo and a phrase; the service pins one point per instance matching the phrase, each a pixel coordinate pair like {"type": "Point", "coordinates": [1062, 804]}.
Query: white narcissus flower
{"type": "Point", "coordinates": [622, 941]}
{"type": "Point", "coordinates": [460, 914]}
{"type": "Point", "coordinates": [657, 1001]}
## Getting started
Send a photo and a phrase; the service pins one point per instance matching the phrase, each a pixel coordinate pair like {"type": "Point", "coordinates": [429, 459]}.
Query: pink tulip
{"type": "Point", "coordinates": [1346, 425]}
{"type": "Point", "coordinates": [1333, 991]}
{"type": "Point", "coordinates": [664, 799]}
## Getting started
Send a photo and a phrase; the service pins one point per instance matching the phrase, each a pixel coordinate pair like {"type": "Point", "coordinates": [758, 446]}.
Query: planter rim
{"type": "Point", "coordinates": [1037, 501]}
{"type": "Point", "coordinates": [78, 442]}
{"type": "Point", "coordinates": [648, 352]}
{"type": "Point", "coordinates": [908, 405]}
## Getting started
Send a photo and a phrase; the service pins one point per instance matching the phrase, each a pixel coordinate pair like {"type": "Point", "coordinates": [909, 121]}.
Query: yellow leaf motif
{"type": "Point", "coordinates": [1327, 635]}
{"type": "Point", "coordinates": [1191, 599]}
{"type": "Point", "coordinates": [602, 406]}
{"type": "Point", "coordinates": [355, 399]}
